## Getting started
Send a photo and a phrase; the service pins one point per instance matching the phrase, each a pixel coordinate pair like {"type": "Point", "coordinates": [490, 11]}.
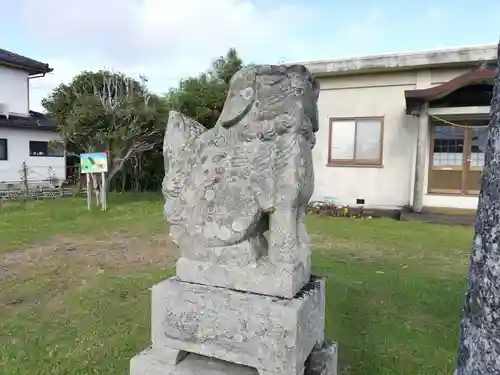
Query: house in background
{"type": "Point", "coordinates": [403, 130]}
{"type": "Point", "coordinates": [26, 136]}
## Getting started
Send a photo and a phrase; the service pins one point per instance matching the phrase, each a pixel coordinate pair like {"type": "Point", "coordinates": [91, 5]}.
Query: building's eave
{"type": "Point", "coordinates": [33, 67]}
{"type": "Point", "coordinates": [450, 57]}
{"type": "Point", "coordinates": [414, 98]}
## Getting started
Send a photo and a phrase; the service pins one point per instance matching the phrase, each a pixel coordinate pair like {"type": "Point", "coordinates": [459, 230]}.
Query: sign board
{"type": "Point", "coordinates": [94, 163]}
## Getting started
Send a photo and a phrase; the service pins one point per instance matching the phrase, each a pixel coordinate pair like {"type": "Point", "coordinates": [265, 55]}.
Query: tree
{"type": "Point", "coordinates": [479, 345]}
{"type": "Point", "coordinates": [106, 111]}
{"type": "Point", "coordinates": [203, 97]}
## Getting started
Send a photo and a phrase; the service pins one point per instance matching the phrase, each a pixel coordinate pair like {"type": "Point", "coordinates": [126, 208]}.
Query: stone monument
{"type": "Point", "coordinates": [479, 346]}
{"type": "Point", "coordinates": [243, 300]}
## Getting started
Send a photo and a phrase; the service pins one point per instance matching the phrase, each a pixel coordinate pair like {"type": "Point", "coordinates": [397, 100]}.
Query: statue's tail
{"type": "Point", "coordinates": [179, 149]}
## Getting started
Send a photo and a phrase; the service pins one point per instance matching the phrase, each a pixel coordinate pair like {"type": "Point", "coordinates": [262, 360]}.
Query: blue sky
{"type": "Point", "coordinates": [169, 39]}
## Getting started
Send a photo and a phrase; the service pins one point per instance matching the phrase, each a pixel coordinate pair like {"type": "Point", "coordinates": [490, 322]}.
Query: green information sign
{"type": "Point", "coordinates": [94, 163]}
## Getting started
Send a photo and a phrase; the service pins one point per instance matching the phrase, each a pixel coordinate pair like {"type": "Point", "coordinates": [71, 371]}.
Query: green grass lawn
{"type": "Point", "coordinates": [75, 299]}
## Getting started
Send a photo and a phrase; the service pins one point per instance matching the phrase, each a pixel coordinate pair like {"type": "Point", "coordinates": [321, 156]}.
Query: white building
{"type": "Point", "coordinates": [25, 136]}
{"type": "Point", "coordinates": [391, 128]}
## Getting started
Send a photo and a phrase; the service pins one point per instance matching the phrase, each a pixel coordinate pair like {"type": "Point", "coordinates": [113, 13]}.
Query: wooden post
{"type": "Point", "coordinates": [422, 141]}
{"type": "Point", "coordinates": [25, 179]}
{"type": "Point", "coordinates": [89, 193]}
{"type": "Point", "coordinates": [104, 195]}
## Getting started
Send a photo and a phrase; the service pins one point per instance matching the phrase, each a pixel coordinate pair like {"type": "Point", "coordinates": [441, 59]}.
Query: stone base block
{"type": "Point", "coordinates": [274, 335]}
{"type": "Point", "coordinates": [262, 277]}
{"type": "Point", "coordinates": [323, 360]}
{"type": "Point", "coordinates": [154, 361]}
{"type": "Point", "coordinates": [151, 362]}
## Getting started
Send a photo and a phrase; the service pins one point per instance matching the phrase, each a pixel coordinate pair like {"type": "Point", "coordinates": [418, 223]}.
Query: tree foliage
{"type": "Point", "coordinates": [107, 111]}
{"type": "Point", "coordinates": [202, 97]}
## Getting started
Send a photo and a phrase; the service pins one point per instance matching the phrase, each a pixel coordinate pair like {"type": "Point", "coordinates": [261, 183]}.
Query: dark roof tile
{"type": "Point", "coordinates": [21, 62]}
{"type": "Point", "coordinates": [36, 120]}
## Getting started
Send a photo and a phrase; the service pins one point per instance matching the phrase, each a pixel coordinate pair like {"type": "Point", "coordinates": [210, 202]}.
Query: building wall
{"type": "Point", "coordinates": [14, 90]}
{"type": "Point", "coordinates": [368, 96]}
{"type": "Point", "coordinates": [373, 95]}
{"type": "Point", "coordinates": [451, 201]}
{"type": "Point", "coordinates": [443, 75]}
{"type": "Point", "coordinates": [18, 152]}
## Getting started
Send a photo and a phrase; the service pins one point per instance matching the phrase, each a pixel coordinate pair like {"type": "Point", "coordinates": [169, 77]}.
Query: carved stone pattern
{"type": "Point", "coordinates": [259, 331]}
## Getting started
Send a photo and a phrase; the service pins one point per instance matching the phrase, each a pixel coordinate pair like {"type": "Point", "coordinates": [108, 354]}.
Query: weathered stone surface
{"type": "Point", "coordinates": [251, 173]}
{"type": "Point", "coordinates": [263, 277]}
{"type": "Point", "coordinates": [271, 334]}
{"type": "Point", "coordinates": [157, 361]}
{"type": "Point", "coordinates": [152, 362]}
{"type": "Point", "coordinates": [323, 360]}
{"type": "Point", "coordinates": [479, 346]}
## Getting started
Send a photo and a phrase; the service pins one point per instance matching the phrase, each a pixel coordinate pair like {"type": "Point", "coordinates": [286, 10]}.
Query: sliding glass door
{"type": "Point", "coordinates": [475, 159]}
{"type": "Point", "coordinates": [456, 158]}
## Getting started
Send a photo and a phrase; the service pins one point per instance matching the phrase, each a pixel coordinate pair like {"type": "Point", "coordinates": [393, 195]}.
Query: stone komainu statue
{"type": "Point", "coordinates": [252, 173]}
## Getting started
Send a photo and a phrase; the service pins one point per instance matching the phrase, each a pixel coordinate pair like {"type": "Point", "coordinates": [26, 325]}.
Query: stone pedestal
{"type": "Point", "coordinates": [201, 329]}
{"type": "Point", "coordinates": [252, 276]}
{"type": "Point", "coordinates": [154, 361]}
{"type": "Point", "coordinates": [272, 334]}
